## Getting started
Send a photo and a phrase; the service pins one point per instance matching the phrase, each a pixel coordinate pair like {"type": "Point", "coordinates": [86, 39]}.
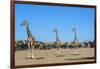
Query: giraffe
{"type": "Point", "coordinates": [75, 41]}
{"type": "Point", "coordinates": [88, 44]}
{"type": "Point", "coordinates": [58, 43]}
{"type": "Point", "coordinates": [30, 40]}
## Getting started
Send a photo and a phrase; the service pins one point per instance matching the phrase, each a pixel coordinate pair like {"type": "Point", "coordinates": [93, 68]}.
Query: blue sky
{"type": "Point", "coordinates": [44, 19]}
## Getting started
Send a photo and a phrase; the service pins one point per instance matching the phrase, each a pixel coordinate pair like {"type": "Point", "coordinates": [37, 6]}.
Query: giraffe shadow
{"type": "Point", "coordinates": [40, 58]}
{"type": "Point", "coordinates": [75, 54]}
{"type": "Point", "coordinates": [35, 58]}
{"type": "Point", "coordinates": [59, 55]}
{"type": "Point", "coordinates": [29, 58]}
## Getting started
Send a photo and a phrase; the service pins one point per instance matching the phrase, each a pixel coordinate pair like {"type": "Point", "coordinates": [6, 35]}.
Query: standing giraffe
{"type": "Point", "coordinates": [88, 44]}
{"type": "Point", "coordinates": [75, 41]}
{"type": "Point", "coordinates": [30, 39]}
{"type": "Point", "coordinates": [58, 43]}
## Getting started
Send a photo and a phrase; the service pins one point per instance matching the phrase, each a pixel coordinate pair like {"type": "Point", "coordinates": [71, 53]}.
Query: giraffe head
{"type": "Point", "coordinates": [24, 23]}
{"type": "Point", "coordinates": [55, 30]}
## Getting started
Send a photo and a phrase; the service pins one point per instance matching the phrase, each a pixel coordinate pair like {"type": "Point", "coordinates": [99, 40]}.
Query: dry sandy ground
{"type": "Point", "coordinates": [50, 56]}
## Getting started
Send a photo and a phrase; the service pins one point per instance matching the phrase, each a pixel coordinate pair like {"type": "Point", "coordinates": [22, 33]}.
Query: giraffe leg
{"type": "Point", "coordinates": [58, 50]}
{"type": "Point", "coordinates": [58, 47]}
{"type": "Point", "coordinates": [28, 52]}
{"type": "Point", "coordinates": [32, 50]}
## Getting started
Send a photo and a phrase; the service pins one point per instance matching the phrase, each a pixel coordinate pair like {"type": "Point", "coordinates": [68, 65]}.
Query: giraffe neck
{"type": "Point", "coordinates": [57, 37]}
{"type": "Point", "coordinates": [28, 31]}
{"type": "Point", "coordinates": [75, 37]}
{"type": "Point", "coordinates": [29, 34]}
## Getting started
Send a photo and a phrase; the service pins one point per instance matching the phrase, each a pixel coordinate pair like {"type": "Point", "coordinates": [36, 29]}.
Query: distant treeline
{"type": "Point", "coordinates": [20, 45]}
